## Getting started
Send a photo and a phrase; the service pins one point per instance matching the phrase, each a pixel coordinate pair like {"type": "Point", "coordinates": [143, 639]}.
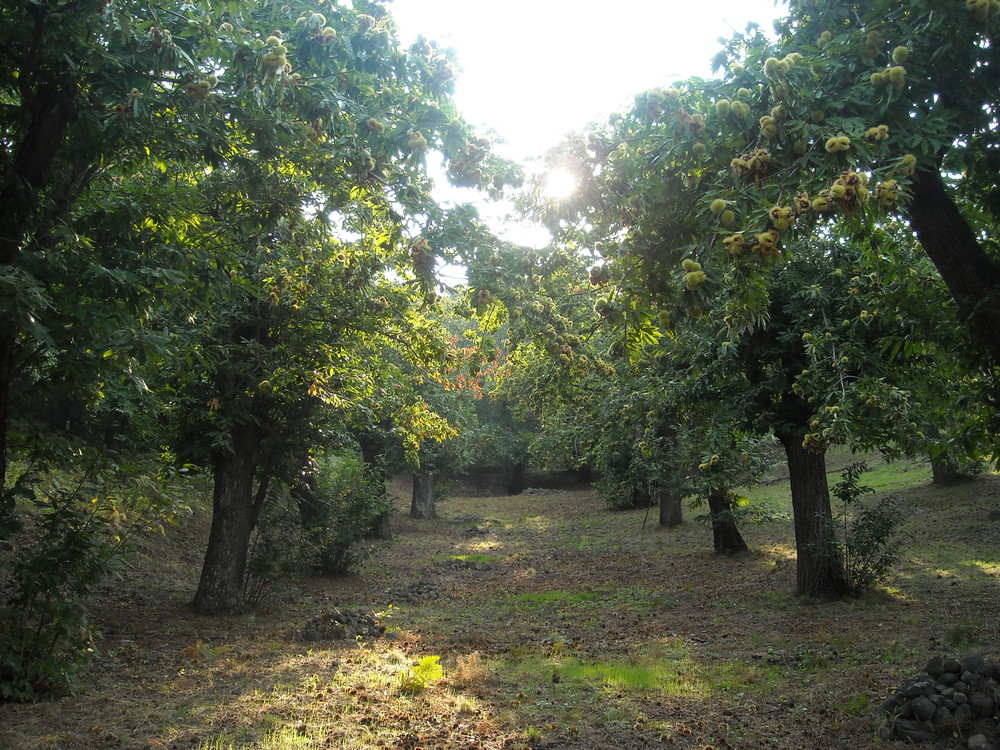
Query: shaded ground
{"type": "Point", "coordinates": [558, 625]}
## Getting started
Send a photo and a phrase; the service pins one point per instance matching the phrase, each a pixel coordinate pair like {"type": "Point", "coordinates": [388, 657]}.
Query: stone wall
{"type": "Point", "coordinates": [497, 481]}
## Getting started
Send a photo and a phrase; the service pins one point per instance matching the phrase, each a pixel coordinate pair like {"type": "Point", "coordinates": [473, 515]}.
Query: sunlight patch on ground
{"type": "Point", "coordinates": [779, 554]}
{"type": "Point", "coordinates": [321, 684]}
{"type": "Point", "coordinates": [944, 573]}
{"type": "Point", "coordinates": [474, 558]}
{"type": "Point", "coordinates": [537, 523]}
{"type": "Point", "coordinates": [897, 594]}
{"type": "Point", "coordinates": [991, 569]}
{"type": "Point", "coordinates": [669, 678]}
{"type": "Point", "coordinates": [661, 677]}
{"type": "Point", "coordinates": [957, 563]}
{"type": "Point", "coordinates": [485, 546]}
{"type": "Point", "coordinates": [668, 672]}
{"type": "Point", "coordinates": [285, 738]}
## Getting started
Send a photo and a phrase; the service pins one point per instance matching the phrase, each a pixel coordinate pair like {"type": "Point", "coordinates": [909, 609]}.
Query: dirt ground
{"type": "Point", "coordinates": [557, 623]}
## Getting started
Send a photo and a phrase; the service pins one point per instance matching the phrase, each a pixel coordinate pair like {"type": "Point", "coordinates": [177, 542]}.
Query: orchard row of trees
{"type": "Point", "coordinates": [803, 248]}
{"type": "Point", "coordinates": [220, 244]}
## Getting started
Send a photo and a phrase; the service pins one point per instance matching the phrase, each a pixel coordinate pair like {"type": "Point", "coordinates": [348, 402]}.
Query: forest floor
{"type": "Point", "coordinates": [557, 623]}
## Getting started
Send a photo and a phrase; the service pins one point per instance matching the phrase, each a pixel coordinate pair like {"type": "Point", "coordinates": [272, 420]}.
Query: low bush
{"type": "Point", "coordinates": [350, 501]}
{"type": "Point", "coordinates": [320, 523]}
{"type": "Point", "coordinates": [870, 544]}
{"type": "Point", "coordinates": [74, 527]}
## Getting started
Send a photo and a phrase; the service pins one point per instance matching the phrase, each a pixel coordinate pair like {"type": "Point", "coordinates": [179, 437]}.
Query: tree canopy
{"type": "Point", "coordinates": [232, 201]}
{"type": "Point", "coordinates": [774, 210]}
{"type": "Point", "coordinates": [222, 241]}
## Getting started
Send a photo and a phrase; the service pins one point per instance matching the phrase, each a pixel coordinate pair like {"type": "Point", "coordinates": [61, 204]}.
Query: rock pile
{"type": "Point", "coordinates": [478, 531]}
{"type": "Point", "coordinates": [342, 625]}
{"type": "Point", "coordinates": [416, 592]}
{"type": "Point", "coordinates": [950, 697]}
{"type": "Point", "coordinates": [461, 565]}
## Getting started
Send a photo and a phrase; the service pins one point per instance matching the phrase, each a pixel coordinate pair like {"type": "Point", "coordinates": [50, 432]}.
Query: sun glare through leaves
{"type": "Point", "coordinates": [559, 184]}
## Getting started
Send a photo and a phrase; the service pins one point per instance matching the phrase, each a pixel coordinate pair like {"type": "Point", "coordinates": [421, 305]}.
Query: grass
{"type": "Point", "coordinates": [883, 476]}
{"type": "Point", "coordinates": [554, 597]}
{"type": "Point", "coordinates": [476, 558]}
{"type": "Point", "coordinates": [669, 679]}
{"type": "Point", "coordinates": [289, 738]}
{"type": "Point", "coordinates": [681, 675]}
{"type": "Point", "coordinates": [636, 638]}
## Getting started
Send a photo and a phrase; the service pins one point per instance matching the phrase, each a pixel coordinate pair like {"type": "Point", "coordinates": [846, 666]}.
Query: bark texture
{"type": "Point", "coordinates": [726, 537]}
{"type": "Point", "coordinates": [374, 453]}
{"type": "Point", "coordinates": [944, 471]}
{"type": "Point", "coordinates": [973, 279]}
{"type": "Point", "coordinates": [235, 508]}
{"type": "Point", "coordinates": [422, 505]}
{"type": "Point", "coordinates": [515, 484]}
{"type": "Point", "coordinates": [671, 515]}
{"type": "Point", "coordinates": [819, 572]}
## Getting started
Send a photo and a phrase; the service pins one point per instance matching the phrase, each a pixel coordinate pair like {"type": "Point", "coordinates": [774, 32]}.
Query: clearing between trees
{"type": "Point", "coordinates": [537, 621]}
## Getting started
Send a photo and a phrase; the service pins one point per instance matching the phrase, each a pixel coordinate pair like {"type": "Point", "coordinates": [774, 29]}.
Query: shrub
{"type": "Point", "coordinates": [64, 551]}
{"type": "Point", "coordinates": [870, 545]}
{"type": "Point", "coordinates": [348, 503]}
{"type": "Point", "coordinates": [427, 670]}
{"type": "Point", "coordinates": [319, 523]}
{"type": "Point", "coordinates": [470, 670]}
{"type": "Point", "coordinates": [951, 468]}
{"type": "Point", "coordinates": [44, 633]}
{"type": "Point", "coordinates": [625, 477]}
{"type": "Point", "coordinates": [279, 549]}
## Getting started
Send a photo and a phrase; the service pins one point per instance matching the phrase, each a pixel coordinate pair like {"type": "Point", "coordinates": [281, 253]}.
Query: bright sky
{"type": "Point", "coordinates": [535, 69]}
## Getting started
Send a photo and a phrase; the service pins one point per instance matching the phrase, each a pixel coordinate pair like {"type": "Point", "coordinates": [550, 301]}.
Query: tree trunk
{"type": "Point", "coordinates": [373, 453]}
{"type": "Point", "coordinates": [726, 538]}
{"type": "Point", "coordinates": [423, 496]}
{"type": "Point", "coordinates": [382, 527]}
{"type": "Point", "coordinates": [944, 471]}
{"type": "Point", "coordinates": [973, 279]}
{"type": "Point", "coordinates": [515, 483]}
{"type": "Point", "coordinates": [303, 494]}
{"type": "Point", "coordinates": [819, 571]}
{"type": "Point", "coordinates": [670, 507]}
{"type": "Point", "coordinates": [7, 344]}
{"type": "Point", "coordinates": [235, 507]}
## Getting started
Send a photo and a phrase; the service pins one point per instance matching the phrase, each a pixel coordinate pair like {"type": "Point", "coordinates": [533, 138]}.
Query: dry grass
{"type": "Point", "coordinates": [582, 630]}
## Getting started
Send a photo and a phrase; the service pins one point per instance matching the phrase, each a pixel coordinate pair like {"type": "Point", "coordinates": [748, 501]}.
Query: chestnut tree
{"type": "Point", "coordinates": [744, 204]}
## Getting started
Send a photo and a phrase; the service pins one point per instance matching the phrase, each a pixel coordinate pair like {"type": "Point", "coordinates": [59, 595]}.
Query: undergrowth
{"type": "Point", "coordinates": [75, 526]}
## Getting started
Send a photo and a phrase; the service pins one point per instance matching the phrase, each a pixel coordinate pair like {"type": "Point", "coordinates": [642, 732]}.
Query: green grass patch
{"type": "Point", "coordinates": [978, 567]}
{"type": "Point", "coordinates": [740, 677]}
{"type": "Point", "coordinates": [666, 677]}
{"type": "Point", "coordinates": [896, 476]}
{"type": "Point", "coordinates": [856, 706]}
{"type": "Point", "coordinates": [883, 476]}
{"type": "Point", "coordinates": [554, 597]}
{"type": "Point", "coordinates": [286, 738]}
{"type": "Point", "coordinates": [474, 558]}
{"type": "Point", "coordinates": [638, 599]}
{"type": "Point", "coordinates": [962, 635]}
{"type": "Point", "coordinates": [666, 672]}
